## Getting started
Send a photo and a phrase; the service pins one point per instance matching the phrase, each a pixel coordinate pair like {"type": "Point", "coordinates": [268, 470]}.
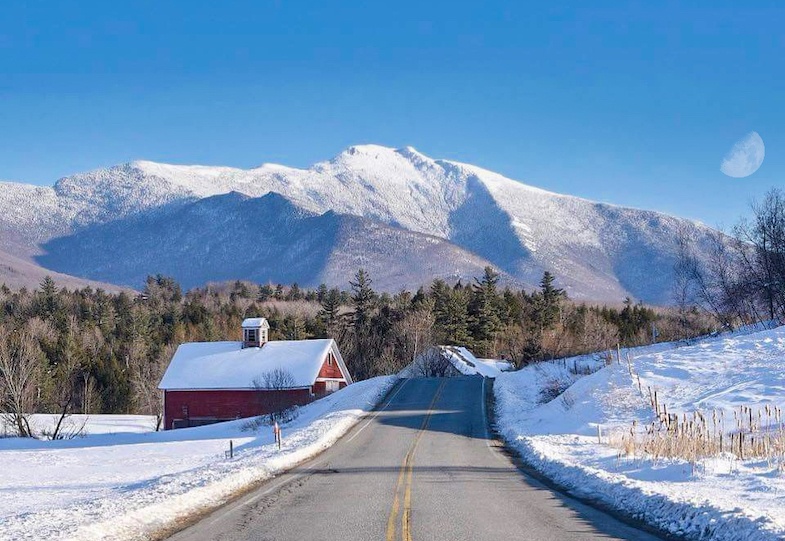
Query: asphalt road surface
{"type": "Point", "coordinates": [420, 468]}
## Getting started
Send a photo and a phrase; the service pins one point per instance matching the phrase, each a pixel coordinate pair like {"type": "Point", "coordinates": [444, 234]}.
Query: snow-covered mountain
{"type": "Point", "coordinates": [224, 237]}
{"type": "Point", "coordinates": [598, 251]}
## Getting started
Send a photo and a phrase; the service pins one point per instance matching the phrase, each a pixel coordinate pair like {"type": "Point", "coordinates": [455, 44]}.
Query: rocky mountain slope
{"type": "Point", "coordinates": [224, 237]}
{"type": "Point", "coordinates": [598, 251]}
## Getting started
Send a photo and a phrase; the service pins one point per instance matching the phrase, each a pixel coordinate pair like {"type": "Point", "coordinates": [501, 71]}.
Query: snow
{"type": "Point", "coordinates": [130, 485]}
{"type": "Point", "coordinates": [501, 365]}
{"type": "Point", "coordinates": [255, 323]}
{"type": "Point", "coordinates": [227, 365]}
{"type": "Point", "coordinates": [41, 423]}
{"type": "Point", "coordinates": [469, 365]}
{"type": "Point", "coordinates": [719, 498]}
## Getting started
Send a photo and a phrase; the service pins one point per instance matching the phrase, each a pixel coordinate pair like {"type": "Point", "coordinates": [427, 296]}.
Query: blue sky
{"type": "Point", "coordinates": [618, 102]}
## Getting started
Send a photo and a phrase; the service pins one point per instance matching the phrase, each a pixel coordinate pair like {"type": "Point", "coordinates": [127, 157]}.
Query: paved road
{"type": "Point", "coordinates": [422, 468]}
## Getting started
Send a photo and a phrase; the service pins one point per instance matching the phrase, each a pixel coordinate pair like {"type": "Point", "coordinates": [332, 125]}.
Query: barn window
{"type": "Point", "coordinates": [250, 335]}
{"type": "Point", "coordinates": [329, 360]}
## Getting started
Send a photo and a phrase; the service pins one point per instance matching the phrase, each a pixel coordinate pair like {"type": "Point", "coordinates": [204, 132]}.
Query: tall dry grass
{"type": "Point", "coordinates": [753, 433]}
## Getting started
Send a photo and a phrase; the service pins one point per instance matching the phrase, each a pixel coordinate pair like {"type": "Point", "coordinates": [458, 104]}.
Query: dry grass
{"type": "Point", "coordinates": [752, 433]}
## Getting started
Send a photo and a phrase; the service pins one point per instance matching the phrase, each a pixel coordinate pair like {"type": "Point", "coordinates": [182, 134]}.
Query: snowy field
{"type": "Point", "coordinates": [77, 425]}
{"type": "Point", "coordinates": [125, 482]}
{"type": "Point", "coordinates": [723, 498]}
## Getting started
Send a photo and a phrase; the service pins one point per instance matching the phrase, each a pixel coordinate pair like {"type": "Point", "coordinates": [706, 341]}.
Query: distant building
{"type": "Point", "coordinates": [209, 382]}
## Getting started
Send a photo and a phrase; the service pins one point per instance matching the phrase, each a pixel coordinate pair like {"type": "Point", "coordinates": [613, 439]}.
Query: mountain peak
{"type": "Point", "coordinates": [366, 149]}
{"type": "Point", "coordinates": [520, 229]}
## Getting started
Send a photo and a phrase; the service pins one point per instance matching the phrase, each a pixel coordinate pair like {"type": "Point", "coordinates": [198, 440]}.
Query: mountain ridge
{"type": "Point", "coordinates": [520, 229]}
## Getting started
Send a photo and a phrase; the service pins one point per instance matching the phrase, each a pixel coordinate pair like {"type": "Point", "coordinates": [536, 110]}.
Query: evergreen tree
{"type": "Point", "coordinates": [295, 294]}
{"type": "Point", "coordinates": [484, 311]}
{"type": "Point", "coordinates": [48, 298]}
{"type": "Point", "coordinates": [362, 299]}
{"type": "Point", "coordinates": [321, 292]}
{"type": "Point", "coordinates": [266, 291]}
{"type": "Point", "coordinates": [549, 300]}
{"type": "Point", "coordinates": [330, 314]}
{"type": "Point", "coordinates": [279, 293]}
{"type": "Point", "coordinates": [362, 303]}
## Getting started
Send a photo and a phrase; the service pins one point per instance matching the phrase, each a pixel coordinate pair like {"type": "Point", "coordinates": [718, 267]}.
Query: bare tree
{"type": "Point", "coordinates": [407, 339]}
{"type": "Point", "coordinates": [765, 263]}
{"type": "Point", "coordinates": [513, 343]}
{"type": "Point", "coordinates": [146, 373]}
{"type": "Point", "coordinates": [278, 406]}
{"type": "Point", "coordinates": [684, 276]}
{"type": "Point", "coordinates": [67, 376]}
{"type": "Point", "coordinates": [416, 332]}
{"type": "Point", "coordinates": [92, 342]}
{"type": "Point", "coordinates": [21, 376]}
{"type": "Point", "coordinates": [433, 363]}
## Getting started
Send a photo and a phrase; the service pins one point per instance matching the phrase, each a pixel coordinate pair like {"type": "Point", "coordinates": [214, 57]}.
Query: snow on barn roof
{"type": "Point", "coordinates": [227, 365]}
{"type": "Point", "coordinates": [255, 323]}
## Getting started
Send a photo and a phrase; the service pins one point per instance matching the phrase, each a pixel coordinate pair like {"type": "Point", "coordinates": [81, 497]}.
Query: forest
{"type": "Point", "coordinates": [90, 351]}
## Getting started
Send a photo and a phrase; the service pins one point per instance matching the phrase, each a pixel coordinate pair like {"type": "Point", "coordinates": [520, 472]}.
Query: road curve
{"type": "Point", "coordinates": [421, 468]}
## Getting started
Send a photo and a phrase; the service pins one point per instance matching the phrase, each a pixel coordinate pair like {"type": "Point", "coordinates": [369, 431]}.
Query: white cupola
{"type": "Point", "coordinates": [255, 332]}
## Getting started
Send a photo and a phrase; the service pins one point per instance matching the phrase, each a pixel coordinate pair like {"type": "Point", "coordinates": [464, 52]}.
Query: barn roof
{"type": "Point", "coordinates": [227, 365]}
{"type": "Point", "coordinates": [255, 322]}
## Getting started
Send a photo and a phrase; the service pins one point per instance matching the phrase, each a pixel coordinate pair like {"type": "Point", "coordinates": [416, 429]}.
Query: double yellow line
{"type": "Point", "coordinates": [406, 475]}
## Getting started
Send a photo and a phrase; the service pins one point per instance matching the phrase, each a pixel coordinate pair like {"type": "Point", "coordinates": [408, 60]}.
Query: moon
{"type": "Point", "coordinates": [745, 157]}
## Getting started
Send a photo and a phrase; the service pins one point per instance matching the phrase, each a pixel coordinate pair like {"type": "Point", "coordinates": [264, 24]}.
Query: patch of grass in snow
{"type": "Point", "coordinates": [754, 433]}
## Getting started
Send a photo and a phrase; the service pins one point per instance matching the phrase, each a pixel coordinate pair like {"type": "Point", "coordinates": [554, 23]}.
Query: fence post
{"type": "Point", "coordinates": [277, 433]}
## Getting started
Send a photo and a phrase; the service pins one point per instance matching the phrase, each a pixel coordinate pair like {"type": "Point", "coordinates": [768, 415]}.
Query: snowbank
{"type": "Point", "coordinates": [129, 485]}
{"type": "Point", "coordinates": [723, 498]}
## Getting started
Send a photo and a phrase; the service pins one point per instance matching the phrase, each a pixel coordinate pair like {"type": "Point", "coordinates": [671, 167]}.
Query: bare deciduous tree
{"type": "Point", "coordinates": [21, 375]}
{"type": "Point", "coordinates": [269, 385]}
{"type": "Point", "coordinates": [146, 373]}
{"type": "Point", "coordinates": [432, 363]}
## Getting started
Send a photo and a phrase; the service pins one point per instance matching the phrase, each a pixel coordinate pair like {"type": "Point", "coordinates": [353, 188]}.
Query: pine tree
{"type": "Point", "coordinates": [279, 293]}
{"type": "Point", "coordinates": [265, 292]}
{"type": "Point", "coordinates": [48, 297]}
{"type": "Point", "coordinates": [547, 302]}
{"type": "Point", "coordinates": [321, 292]}
{"type": "Point", "coordinates": [362, 302]}
{"type": "Point", "coordinates": [456, 319]}
{"type": "Point", "coordinates": [330, 314]}
{"type": "Point", "coordinates": [484, 311]}
{"type": "Point", "coordinates": [362, 298]}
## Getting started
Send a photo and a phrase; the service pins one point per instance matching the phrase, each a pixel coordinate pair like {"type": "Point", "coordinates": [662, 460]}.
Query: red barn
{"type": "Point", "coordinates": [209, 382]}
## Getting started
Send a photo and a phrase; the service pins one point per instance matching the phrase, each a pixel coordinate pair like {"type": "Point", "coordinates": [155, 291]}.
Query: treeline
{"type": "Point", "coordinates": [90, 351]}
{"type": "Point", "coordinates": [738, 277]}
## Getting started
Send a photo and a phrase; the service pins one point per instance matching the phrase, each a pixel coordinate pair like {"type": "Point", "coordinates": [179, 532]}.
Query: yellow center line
{"type": "Point", "coordinates": [396, 501]}
{"type": "Point", "coordinates": [407, 473]}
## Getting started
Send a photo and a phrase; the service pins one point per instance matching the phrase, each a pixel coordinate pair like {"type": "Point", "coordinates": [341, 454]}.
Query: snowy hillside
{"type": "Point", "coordinates": [19, 272]}
{"type": "Point", "coordinates": [294, 246]}
{"type": "Point", "coordinates": [576, 430]}
{"type": "Point", "coordinates": [598, 251]}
